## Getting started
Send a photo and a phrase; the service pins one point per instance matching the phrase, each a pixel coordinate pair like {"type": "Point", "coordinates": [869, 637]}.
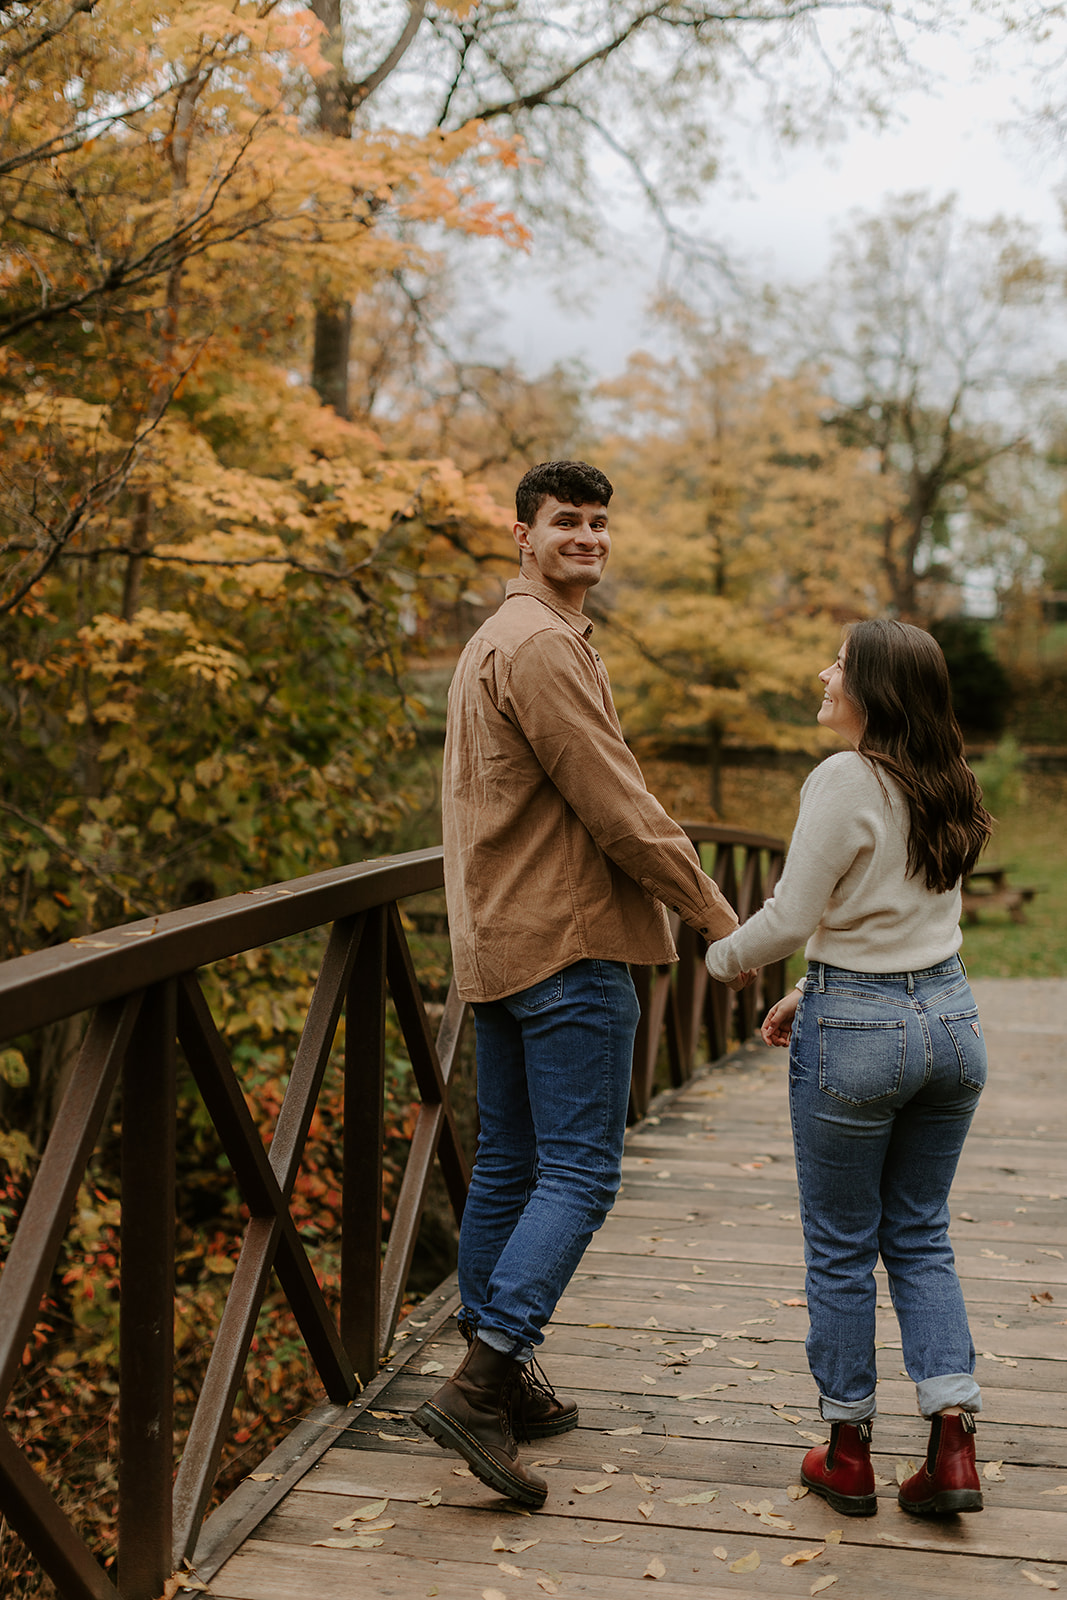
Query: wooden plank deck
{"type": "Point", "coordinates": [682, 1339]}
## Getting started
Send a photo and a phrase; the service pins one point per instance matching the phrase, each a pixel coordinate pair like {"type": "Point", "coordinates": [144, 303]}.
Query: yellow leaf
{"type": "Point", "coordinates": [644, 1483]}
{"type": "Point", "coordinates": [720, 1552]}
{"type": "Point", "coordinates": [747, 1563]}
{"type": "Point", "coordinates": [655, 1569]}
{"type": "Point", "coordinates": [796, 1557]}
{"type": "Point", "coordinates": [904, 1470]}
{"type": "Point", "coordinates": [646, 1508]}
{"type": "Point", "coordinates": [506, 1566]}
{"type": "Point", "coordinates": [992, 1471]}
{"type": "Point", "coordinates": [797, 1491]}
{"type": "Point", "coordinates": [1035, 1577]}
{"type": "Point", "coordinates": [432, 1499]}
{"type": "Point", "coordinates": [548, 1586]}
{"type": "Point", "coordinates": [834, 1536]}
{"type": "Point", "coordinates": [608, 1538]}
{"type": "Point", "coordinates": [515, 1549]}
{"type": "Point", "coordinates": [624, 1433]}
{"type": "Point", "coordinates": [822, 1583]}
{"type": "Point", "coordinates": [431, 1366]}
{"type": "Point", "coordinates": [739, 1361]}
{"type": "Point", "coordinates": [368, 1513]}
{"type": "Point", "coordinates": [592, 1488]}
{"type": "Point", "coordinates": [704, 1499]}
{"type": "Point", "coordinates": [816, 1438]}
{"type": "Point", "coordinates": [493, 1594]}
{"type": "Point", "coordinates": [1061, 1488]}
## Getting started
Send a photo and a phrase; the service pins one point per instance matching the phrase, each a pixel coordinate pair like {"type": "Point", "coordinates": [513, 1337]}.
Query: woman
{"type": "Point", "coordinates": [887, 1057]}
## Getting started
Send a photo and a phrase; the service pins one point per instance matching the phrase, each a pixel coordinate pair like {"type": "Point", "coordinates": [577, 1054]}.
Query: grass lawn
{"type": "Point", "coordinates": [1030, 840]}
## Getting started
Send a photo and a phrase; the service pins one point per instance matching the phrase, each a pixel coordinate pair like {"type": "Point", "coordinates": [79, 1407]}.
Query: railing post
{"type": "Point", "coordinates": [364, 1137]}
{"type": "Point", "coordinates": [146, 1313]}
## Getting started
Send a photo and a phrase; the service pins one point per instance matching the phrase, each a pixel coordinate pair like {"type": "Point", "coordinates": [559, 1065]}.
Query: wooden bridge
{"type": "Point", "coordinates": [681, 1336]}
{"type": "Point", "coordinates": [682, 1339]}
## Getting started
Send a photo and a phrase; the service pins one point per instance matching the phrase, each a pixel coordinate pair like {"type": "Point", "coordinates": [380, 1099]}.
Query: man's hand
{"type": "Point", "coordinates": [778, 1023]}
{"type": "Point", "coordinates": [743, 979]}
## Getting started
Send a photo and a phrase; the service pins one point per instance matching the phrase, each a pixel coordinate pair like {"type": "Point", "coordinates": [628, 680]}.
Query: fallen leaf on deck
{"type": "Point", "coordinates": [761, 1377]}
{"type": "Point", "coordinates": [1043, 1297]}
{"type": "Point", "coordinates": [892, 1538]}
{"type": "Point", "coordinates": [465, 1472]}
{"type": "Point", "coordinates": [686, 1288]}
{"type": "Point", "coordinates": [651, 1323]}
{"type": "Point", "coordinates": [655, 1569]}
{"type": "Point", "coordinates": [365, 1514]}
{"type": "Point", "coordinates": [188, 1583]}
{"type": "Point", "coordinates": [1043, 1252]}
{"type": "Point", "coordinates": [816, 1438]}
{"type": "Point", "coordinates": [991, 1470]}
{"type": "Point", "coordinates": [431, 1366]}
{"type": "Point", "coordinates": [794, 1302]}
{"type": "Point", "coordinates": [797, 1491]}
{"type": "Point", "coordinates": [388, 1416]}
{"type": "Point", "coordinates": [822, 1583]}
{"type": "Point", "coordinates": [600, 1324]}
{"type": "Point", "coordinates": [1061, 1488]}
{"type": "Point", "coordinates": [548, 1585]}
{"type": "Point", "coordinates": [747, 1563]}
{"type": "Point", "coordinates": [623, 1433]}
{"type": "Point", "coordinates": [797, 1557]}
{"type": "Point", "coordinates": [608, 1466]}
{"type": "Point", "coordinates": [1035, 1577]}
{"type": "Point", "coordinates": [648, 1378]}
{"type": "Point", "coordinates": [395, 1438]}
{"type": "Point", "coordinates": [432, 1499]}
{"type": "Point", "coordinates": [709, 1388]}
{"type": "Point", "coordinates": [992, 1255]}
{"type": "Point", "coordinates": [774, 1520]}
{"type": "Point", "coordinates": [644, 1483]}
{"type": "Point", "coordinates": [512, 1572]}
{"type": "Point", "coordinates": [704, 1499]}
{"type": "Point", "coordinates": [608, 1538]}
{"type": "Point", "coordinates": [720, 1552]}
{"type": "Point", "coordinates": [357, 1541]}
{"type": "Point", "coordinates": [263, 1477]}
{"type": "Point", "coordinates": [662, 1174]}
{"type": "Point", "coordinates": [834, 1536]}
{"type": "Point", "coordinates": [738, 1361]}
{"type": "Point", "coordinates": [786, 1416]}
{"type": "Point", "coordinates": [493, 1594]}
{"type": "Point", "coordinates": [904, 1469]}
{"type": "Point", "coordinates": [646, 1508]}
{"type": "Point", "coordinates": [703, 1421]}
{"type": "Point", "coordinates": [592, 1488]}
{"type": "Point", "coordinates": [547, 1461]}
{"type": "Point", "coordinates": [515, 1549]}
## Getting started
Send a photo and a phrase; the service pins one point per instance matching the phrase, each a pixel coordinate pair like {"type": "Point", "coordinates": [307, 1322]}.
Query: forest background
{"type": "Point", "coordinates": [255, 494]}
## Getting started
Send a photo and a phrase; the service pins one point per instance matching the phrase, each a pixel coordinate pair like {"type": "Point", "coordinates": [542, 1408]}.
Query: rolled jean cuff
{"type": "Point", "coordinates": [847, 1410]}
{"type": "Point", "coordinates": [953, 1389]}
{"type": "Point", "coordinates": [506, 1344]}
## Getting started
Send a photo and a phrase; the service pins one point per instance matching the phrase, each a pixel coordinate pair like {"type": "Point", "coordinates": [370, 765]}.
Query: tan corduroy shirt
{"type": "Point", "coordinates": [554, 849]}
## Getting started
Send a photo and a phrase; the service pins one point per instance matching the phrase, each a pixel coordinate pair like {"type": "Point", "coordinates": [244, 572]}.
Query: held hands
{"type": "Point", "coordinates": [778, 1023]}
{"type": "Point", "coordinates": [743, 979]}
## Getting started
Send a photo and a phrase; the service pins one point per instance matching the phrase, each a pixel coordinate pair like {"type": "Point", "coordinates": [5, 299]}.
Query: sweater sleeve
{"type": "Point", "coordinates": [556, 697]}
{"type": "Point", "coordinates": [830, 831]}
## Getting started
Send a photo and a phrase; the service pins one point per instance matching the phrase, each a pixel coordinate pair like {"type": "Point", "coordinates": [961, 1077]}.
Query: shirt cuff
{"type": "Point", "coordinates": [721, 963]}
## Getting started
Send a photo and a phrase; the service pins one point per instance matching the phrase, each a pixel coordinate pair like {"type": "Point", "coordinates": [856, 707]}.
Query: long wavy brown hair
{"type": "Point", "coordinates": [896, 676]}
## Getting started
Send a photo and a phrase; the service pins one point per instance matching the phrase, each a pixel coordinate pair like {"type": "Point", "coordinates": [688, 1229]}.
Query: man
{"type": "Point", "coordinates": [556, 861]}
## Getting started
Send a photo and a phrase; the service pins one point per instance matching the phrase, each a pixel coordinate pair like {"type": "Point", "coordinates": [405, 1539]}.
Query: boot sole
{"type": "Point", "coordinates": [450, 1436]}
{"type": "Point", "coordinates": [943, 1504]}
{"type": "Point", "coordinates": [849, 1505]}
{"type": "Point", "coordinates": [549, 1430]}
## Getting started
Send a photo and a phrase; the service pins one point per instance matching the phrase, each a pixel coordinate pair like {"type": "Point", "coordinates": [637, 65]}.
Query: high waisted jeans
{"type": "Point", "coordinates": [554, 1064]}
{"type": "Point", "coordinates": [885, 1071]}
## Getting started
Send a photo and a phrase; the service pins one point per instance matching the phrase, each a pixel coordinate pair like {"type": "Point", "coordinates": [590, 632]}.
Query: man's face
{"type": "Point", "coordinates": [566, 546]}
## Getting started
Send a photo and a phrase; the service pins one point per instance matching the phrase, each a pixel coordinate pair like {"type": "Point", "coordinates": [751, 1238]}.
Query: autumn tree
{"type": "Point", "coordinates": [745, 536]}
{"type": "Point", "coordinates": [935, 334]}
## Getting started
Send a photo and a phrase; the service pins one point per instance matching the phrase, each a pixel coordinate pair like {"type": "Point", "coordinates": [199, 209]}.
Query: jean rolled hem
{"type": "Point", "coordinates": [506, 1344]}
{"type": "Point", "coordinates": [953, 1389]}
{"type": "Point", "coordinates": [847, 1410]}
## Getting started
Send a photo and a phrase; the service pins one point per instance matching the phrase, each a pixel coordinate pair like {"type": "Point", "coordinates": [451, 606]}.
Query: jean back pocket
{"type": "Point", "coordinates": [861, 1061]}
{"type": "Point", "coordinates": [965, 1032]}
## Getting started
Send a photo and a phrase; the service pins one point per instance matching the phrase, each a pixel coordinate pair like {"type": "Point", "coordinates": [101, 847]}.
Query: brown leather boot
{"type": "Point", "coordinates": [471, 1413]}
{"type": "Point", "coordinates": [537, 1412]}
{"type": "Point", "coordinates": [841, 1471]}
{"type": "Point", "coordinates": [948, 1479]}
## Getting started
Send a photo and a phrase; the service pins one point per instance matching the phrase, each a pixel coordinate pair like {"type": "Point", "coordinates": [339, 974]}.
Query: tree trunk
{"type": "Point", "coordinates": [329, 362]}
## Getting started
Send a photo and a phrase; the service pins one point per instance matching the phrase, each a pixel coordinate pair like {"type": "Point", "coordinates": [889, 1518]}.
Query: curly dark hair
{"type": "Point", "coordinates": [576, 483]}
{"type": "Point", "coordinates": [896, 675]}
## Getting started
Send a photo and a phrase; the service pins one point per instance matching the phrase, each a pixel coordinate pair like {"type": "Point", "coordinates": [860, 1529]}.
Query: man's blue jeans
{"type": "Point", "coordinates": [885, 1071]}
{"type": "Point", "coordinates": [554, 1065]}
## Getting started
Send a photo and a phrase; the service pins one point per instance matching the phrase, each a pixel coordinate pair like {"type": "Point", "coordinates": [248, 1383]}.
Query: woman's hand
{"type": "Point", "coordinates": [778, 1023]}
{"type": "Point", "coordinates": [742, 980]}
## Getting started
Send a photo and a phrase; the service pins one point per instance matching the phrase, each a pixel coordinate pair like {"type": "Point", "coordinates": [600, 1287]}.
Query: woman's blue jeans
{"type": "Point", "coordinates": [885, 1070]}
{"type": "Point", "coordinates": [554, 1065]}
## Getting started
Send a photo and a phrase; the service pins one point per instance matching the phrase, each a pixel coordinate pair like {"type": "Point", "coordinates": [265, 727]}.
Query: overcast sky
{"type": "Point", "coordinates": [777, 208]}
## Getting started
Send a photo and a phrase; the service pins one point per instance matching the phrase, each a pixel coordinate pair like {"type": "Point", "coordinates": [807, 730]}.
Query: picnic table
{"type": "Point", "coordinates": [988, 889]}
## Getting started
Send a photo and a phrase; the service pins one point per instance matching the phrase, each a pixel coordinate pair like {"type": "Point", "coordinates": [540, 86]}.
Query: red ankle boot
{"type": "Point", "coordinates": [948, 1479]}
{"type": "Point", "coordinates": [841, 1471]}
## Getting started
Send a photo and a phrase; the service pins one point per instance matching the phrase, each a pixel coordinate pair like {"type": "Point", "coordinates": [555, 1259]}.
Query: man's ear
{"type": "Point", "coordinates": [520, 533]}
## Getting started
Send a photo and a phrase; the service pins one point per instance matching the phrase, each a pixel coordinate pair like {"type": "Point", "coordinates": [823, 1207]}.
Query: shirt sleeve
{"type": "Point", "coordinates": [829, 833]}
{"type": "Point", "coordinates": [555, 695]}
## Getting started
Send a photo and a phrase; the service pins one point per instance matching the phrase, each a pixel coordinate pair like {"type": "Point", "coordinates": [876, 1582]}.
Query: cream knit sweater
{"type": "Point", "coordinates": [845, 892]}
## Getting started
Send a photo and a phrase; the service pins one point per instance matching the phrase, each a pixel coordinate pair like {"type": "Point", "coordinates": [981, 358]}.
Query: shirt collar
{"type": "Point", "coordinates": [548, 596]}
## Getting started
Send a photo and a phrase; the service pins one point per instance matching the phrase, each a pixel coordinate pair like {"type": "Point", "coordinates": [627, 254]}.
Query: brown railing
{"type": "Point", "coordinates": [140, 985]}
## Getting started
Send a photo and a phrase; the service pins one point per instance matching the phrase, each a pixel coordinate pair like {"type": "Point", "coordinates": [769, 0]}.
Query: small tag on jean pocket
{"type": "Point", "coordinates": [977, 1030]}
